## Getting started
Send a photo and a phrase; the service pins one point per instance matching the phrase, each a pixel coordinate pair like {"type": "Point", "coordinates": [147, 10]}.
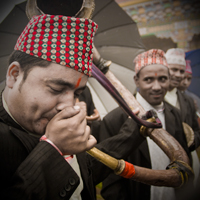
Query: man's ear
{"type": "Point", "coordinates": [12, 74]}
{"type": "Point", "coordinates": [136, 80]}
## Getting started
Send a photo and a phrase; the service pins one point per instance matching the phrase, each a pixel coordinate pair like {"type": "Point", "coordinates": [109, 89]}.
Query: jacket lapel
{"type": "Point", "coordinates": [169, 120]}
{"type": "Point", "coordinates": [144, 149]}
{"type": "Point", "coordinates": [183, 107]}
{"type": "Point", "coordinates": [27, 140]}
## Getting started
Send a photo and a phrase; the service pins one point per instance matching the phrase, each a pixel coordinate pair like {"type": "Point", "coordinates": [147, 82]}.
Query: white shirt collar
{"type": "Point", "coordinates": [172, 98]}
{"type": "Point", "coordinates": [159, 109]}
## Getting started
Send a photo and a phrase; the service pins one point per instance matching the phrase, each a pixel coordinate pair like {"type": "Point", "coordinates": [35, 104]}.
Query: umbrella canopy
{"type": "Point", "coordinates": [117, 39]}
{"type": "Point", "coordinates": [193, 56]}
{"type": "Point", "coordinates": [10, 29]}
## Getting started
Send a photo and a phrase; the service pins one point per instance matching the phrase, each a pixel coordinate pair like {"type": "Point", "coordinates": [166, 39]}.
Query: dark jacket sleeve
{"type": "Point", "coordinates": [115, 187]}
{"type": "Point", "coordinates": [175, 127]}
{"type": "Point", "coordinates": [31, 169]}
{"type": "Point", "coordinates": [44, 174]}
{"type": "Point", "coordinates": [116, 124]}
{"type": "Point", "coordinates": [119, 136]}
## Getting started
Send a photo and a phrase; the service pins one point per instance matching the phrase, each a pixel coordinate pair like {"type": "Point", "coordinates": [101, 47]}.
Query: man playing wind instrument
{"type": "Point", "coordinates": [44, 133]}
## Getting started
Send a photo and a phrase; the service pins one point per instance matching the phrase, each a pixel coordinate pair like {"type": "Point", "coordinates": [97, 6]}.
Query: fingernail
{"type": "Point", "coordinates": [77, 107]}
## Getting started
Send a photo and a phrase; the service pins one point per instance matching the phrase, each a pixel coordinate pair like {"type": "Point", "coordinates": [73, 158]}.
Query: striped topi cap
{"type": "Point", "coordinates": [60, 39]}
{"type": "Point", "coordinates": [153, 56]}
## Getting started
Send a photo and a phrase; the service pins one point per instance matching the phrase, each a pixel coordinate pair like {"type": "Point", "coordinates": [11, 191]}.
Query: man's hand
{"type": "Point", "coordinates": [68, 130]}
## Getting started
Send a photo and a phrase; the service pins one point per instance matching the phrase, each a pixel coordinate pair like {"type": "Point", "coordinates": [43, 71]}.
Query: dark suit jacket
{"type": "Point", "coordinates": [115, 187]}
{"type": "Point", "coordinates": [33, 170]}
{"type": "Point", "coordinates": [188, 114]}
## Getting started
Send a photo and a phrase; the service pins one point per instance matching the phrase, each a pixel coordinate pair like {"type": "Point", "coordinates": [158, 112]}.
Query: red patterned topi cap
{"type": "Point", "coordinates": [188, 68]}
{"type": "Point", "coordinates": [153, 56]}
{"type": "Point", "coordinates": [64, 40]}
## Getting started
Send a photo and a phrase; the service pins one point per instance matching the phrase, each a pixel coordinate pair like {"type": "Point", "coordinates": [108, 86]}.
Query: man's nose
{"type": "Point", "coordinates": [156, 85]}
{"type": "Point", "coordinates": [65, 100]}
{"type": "Point", "coordinates": [185, 82]}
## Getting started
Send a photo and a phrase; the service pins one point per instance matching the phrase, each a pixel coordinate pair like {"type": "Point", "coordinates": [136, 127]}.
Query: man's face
{"type": "Point", "coordinates": [153, 83]}
{"type": "Point", "coordinates": [176, 75]}
{"type": "Point", "coordinates": [185, 83]}
{"type": "Point", "coordinates": [34, 102]}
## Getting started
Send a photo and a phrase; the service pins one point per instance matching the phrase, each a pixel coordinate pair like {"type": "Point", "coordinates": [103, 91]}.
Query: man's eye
{"type": "Point", "coordinates": [163, 79]}
{"type": "Point", "coordinates": [148, 80]}
{"type": "Point", "coordinates": [55, 90]}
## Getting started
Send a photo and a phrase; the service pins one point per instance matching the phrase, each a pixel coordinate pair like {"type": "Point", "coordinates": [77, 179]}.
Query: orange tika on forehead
{"type": "Point", "coordinates": [79, 80]}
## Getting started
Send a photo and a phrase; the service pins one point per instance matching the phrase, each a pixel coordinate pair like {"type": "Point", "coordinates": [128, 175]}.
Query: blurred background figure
{"type": "Point", "coordinates": [183, 87]}
{"type": "Point", "coordinates": [177, 67]}
{"type": "Point", "coordinates": [185, 83]}
{"type": "Point", "coordinates": [176, 61]}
